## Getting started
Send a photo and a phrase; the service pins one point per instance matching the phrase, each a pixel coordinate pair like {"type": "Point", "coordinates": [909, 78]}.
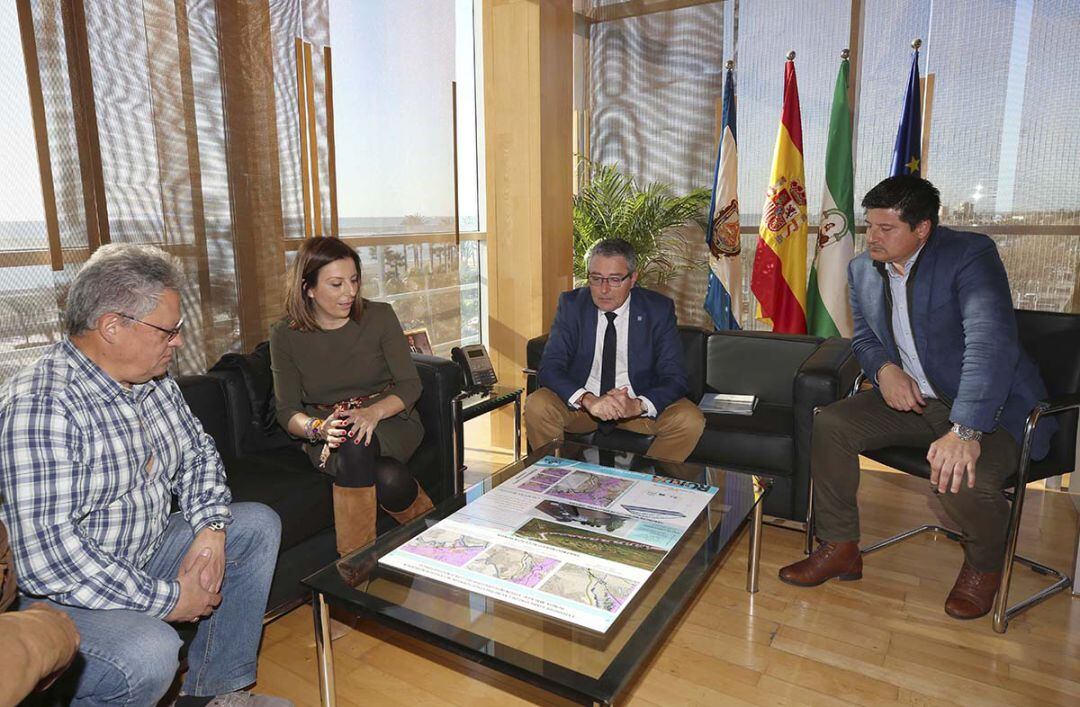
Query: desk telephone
{"type": "Point", "coordinates": [475, 366]}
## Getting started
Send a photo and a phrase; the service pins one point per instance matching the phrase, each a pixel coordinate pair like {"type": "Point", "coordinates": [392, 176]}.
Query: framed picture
{"type": "Point", "coordinates": [418, 341]}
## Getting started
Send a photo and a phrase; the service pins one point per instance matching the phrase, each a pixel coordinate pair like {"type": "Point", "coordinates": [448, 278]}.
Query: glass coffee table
{"type": "Point", "coordinates": [577, 663]}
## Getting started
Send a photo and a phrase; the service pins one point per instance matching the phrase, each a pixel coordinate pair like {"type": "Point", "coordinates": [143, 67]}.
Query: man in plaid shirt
{"type": "Point", "coordinates": [95, 439]}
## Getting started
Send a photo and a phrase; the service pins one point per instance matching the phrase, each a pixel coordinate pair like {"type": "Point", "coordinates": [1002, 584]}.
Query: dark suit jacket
{"type": "Point", "coordinates": [964, 328]}
{"type": "Point", "coordinates": [656, 365]}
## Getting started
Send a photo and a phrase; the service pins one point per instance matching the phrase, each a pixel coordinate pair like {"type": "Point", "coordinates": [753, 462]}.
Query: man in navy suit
{"type": "Point", "coordinates": [614, 359]}
{"type": "Point", "coordinates": [936, 335]}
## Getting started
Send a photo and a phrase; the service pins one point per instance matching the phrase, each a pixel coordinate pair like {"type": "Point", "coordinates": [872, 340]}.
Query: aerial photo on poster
{"type": "Point", "coordinates": [610, 548]}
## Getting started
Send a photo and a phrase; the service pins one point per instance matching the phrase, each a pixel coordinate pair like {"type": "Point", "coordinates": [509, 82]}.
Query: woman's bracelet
{"type": "Point", "coordinates": [311, 429]}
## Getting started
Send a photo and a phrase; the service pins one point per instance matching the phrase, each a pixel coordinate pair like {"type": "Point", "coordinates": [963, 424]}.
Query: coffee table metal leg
{"type": "Point", "coordinates": [517, 426]}
{"type": "Point", "coordinates": [457, 432]}
{"type": "Point", "coordinates": [754, 560]}
{"type": "Point", "coordinates": [324, 650]}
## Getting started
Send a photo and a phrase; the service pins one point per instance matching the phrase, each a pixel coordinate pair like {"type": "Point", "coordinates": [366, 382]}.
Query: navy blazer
{"type": "Point", "coordinates": [656, 364]}
{"type": "Point", "coordinates": [964, 328]}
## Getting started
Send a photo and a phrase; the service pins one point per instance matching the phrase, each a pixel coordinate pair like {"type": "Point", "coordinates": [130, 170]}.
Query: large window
{"type": "Point", "coordinates": [131, 151]}
{"type": "Point", "coordinates": [129, 113]}
{"type": "Point", "coordinates": [1001, 136]}
{"type": "Point", "coordinates": [29, 315]}
{"type": "Point", "coordinates": [395, 123]}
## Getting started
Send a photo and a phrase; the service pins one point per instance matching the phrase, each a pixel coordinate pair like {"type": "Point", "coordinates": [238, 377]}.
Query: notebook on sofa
{"type": "Point", "coordinates": [728, 403]}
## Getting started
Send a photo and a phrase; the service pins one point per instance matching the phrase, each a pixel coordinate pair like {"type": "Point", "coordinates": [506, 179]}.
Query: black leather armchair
{"type": "Point", "coordinates": [789, 374]}
{"type": "Point", "coordinates": [235, 404]}
{"type": "Point", "coordinates": [1053, 340]}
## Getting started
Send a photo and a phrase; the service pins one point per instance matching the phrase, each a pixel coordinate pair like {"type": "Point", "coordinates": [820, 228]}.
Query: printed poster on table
{"type": "Point", "coordinates": [565, 538]}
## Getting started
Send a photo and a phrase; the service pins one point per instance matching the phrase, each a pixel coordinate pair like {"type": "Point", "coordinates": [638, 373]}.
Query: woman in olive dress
{"type": "Point", "coordinates": [345, 384]}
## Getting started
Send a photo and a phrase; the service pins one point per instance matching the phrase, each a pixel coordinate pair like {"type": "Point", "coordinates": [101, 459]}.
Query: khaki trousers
{"type": "Point", "coordinates": [851, 426]}
{"type": "Point", "coordinates": [676, 429]}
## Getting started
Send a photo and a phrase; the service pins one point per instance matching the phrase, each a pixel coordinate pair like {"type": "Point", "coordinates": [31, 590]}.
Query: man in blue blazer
{"type": "Point", "coordinates": [936, 335]}
{"type": "Point", "coordinates": [614, 359]}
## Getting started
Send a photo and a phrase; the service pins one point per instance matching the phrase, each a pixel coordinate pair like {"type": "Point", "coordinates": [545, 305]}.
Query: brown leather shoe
{"type": "Point", "coordinates": [841, 560]}
{"type": "Point", "coordinates": [973, 594]}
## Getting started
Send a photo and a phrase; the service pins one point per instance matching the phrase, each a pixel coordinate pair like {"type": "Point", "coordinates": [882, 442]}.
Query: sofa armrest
{"type": "Point", "coordinates": [531, 381]}
{"type": "Point", "coordinates": [534, 351]}
{"type": "Point", "coordinates": [827, 374]}
{"type": "Point", "coordinates": [825, 377]}
{"type": "Point", "coordinates": [433, 463]}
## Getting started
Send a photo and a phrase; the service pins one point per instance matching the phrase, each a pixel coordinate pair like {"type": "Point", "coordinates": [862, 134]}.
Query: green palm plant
{"type": "Point", "coordinates": [613, 205]}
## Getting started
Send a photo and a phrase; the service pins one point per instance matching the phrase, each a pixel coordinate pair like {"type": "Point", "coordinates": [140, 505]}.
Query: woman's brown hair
{"type": "Point", "coordinates": [314, 254]}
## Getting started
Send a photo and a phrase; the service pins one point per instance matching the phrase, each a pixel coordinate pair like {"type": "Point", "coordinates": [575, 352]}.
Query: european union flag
{"type": "Point", "coordinates": [907, 152]}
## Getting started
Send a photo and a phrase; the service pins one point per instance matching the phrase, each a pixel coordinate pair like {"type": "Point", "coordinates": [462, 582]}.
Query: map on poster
{"type": "Point", "coordinates": [565, 538]}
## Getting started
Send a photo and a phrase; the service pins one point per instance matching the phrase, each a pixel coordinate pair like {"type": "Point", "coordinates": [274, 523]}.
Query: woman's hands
{"type": "Point", "coordinates": [334, 428]}
{"type": "Point", "coordinates": [341, 425]}
{"type": "Point", "coordinates": [360, 423]}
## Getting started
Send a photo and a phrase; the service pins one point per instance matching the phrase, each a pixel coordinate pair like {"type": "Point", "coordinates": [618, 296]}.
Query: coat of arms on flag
{"type": "Point", "coordinates": [783, 215]}
{"type": "Point", "coordinates": [725, 231]}
{"type": "Point", "coordinates": [834, 226]}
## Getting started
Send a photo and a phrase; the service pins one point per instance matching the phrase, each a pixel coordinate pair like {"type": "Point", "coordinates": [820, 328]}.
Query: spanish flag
{"type": "Point", "coordinates": [779, 278]}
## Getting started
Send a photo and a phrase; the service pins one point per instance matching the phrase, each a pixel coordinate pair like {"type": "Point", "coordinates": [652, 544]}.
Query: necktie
{"type": "Point", "coordinates": [607, 357]}
{"type": "Point", "coordinates": [607, 365]}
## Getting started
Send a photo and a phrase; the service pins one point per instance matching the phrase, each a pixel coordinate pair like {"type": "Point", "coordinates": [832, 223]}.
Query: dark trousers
{"type": "Point", "coordinates": [864, 422]}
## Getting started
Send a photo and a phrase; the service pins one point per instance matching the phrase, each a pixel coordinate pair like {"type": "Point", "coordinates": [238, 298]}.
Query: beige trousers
{"type": "Point", "coordinates": [676, 429]}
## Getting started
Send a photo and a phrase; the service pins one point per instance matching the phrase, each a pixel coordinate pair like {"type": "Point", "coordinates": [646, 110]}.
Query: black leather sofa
{"type": "Point", "coordinates": [234, 402]}
{"type": "Point", "coordinates": [789, 374]}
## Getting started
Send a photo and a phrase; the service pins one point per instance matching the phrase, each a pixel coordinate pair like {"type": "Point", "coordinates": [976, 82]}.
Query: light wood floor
{"type": "Point", "coordinates": [882, 640]}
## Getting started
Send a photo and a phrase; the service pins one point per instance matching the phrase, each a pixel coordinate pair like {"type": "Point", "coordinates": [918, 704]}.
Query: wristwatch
{"type": "Point", "coordinates": [968, 434]}
{"type": "Point", "coordinates": [216, 525]}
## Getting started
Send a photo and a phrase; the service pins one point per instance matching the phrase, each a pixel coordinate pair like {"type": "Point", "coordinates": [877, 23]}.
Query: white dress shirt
{"type": "Point", "coordinates": [901, 324]}
{"type": "Point", "coordinates": [622, 369]}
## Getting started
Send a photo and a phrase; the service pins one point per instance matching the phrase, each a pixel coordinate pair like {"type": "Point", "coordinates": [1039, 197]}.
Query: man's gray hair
{"type": "Point", "coordinates": [119, 277]}
{"type": "Point", "coordinates": [611, 247]}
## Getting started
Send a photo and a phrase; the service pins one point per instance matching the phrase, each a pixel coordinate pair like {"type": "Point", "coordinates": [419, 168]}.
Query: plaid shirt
{"type": "Point", "coordinates": [87, 473]}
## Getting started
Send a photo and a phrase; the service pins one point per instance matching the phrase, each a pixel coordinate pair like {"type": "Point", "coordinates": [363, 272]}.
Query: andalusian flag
{"type": "Point", "coordinates": [907, 151]}
{"type": "Point", "coordinates": [828, 312]}
{"type": "Point", "coordinates": [723, 301]}
{"type": "Point", "coordinates": [779, 278]}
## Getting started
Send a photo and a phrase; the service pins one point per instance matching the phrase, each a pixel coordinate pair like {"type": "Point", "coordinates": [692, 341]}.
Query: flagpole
{"type": "Point", "coordinates": [855, 35]}
{"type": "Point", "coordinates": [916, 44]}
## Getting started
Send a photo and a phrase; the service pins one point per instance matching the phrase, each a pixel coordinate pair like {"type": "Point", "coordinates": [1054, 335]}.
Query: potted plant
{"type": "Point", "coordinates": [611, 204]}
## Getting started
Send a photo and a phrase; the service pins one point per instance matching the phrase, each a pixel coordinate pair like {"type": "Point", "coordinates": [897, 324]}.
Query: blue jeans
{"type": "Point", "coordinates": [130, 658]}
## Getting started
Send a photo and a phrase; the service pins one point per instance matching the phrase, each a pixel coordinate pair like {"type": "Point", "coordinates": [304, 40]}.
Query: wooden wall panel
{"type": "Point", "coordinates": [556, 151]}
{"type": "Point", "coordinates": [528, 92]}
